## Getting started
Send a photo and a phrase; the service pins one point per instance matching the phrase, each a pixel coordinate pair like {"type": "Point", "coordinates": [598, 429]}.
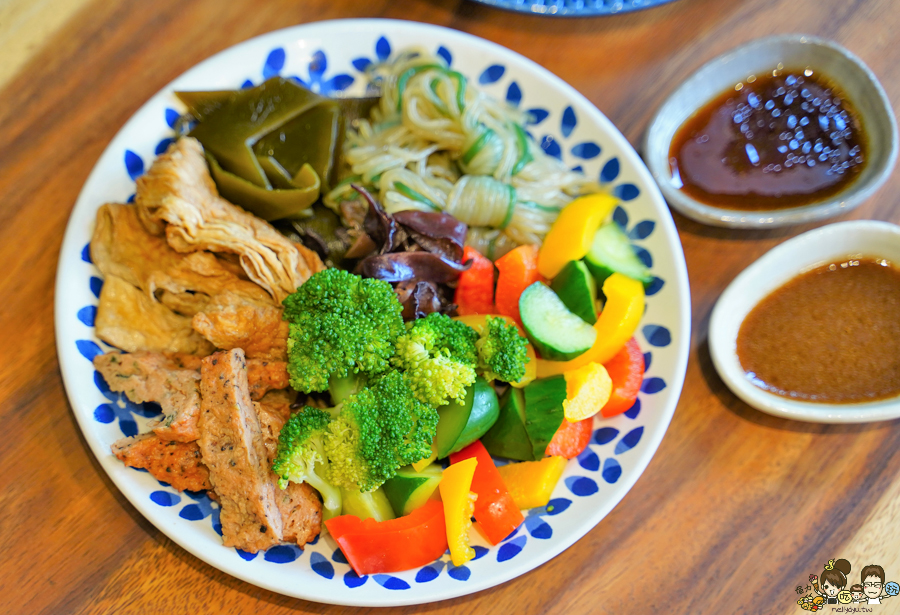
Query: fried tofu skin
{"type": "Point", "coordinates": [178, 197]}
{"type": "Point", "coordinates": [128, 319]}
{"type": "Point", "coordinates": [232, 321]}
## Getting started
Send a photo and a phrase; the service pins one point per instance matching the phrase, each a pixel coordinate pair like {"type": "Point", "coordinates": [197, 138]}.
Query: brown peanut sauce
{"type": "Point", "coordinates": [830, 335]}
{"type": "Point", "coordinates": [783, 139]}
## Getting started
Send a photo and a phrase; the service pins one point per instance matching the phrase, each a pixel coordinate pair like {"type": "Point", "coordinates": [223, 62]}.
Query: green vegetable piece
{"type": "Point", "coordinates": [611, 252]}
{"type": "Point", "coordinates": [271, 148]}
{"type": "Point", "coordinates": [486, 136]}
{"type": "Point", "coordinates": [524, 152]}
{"type": "Point", "coordinates": [377, 431]}
{"type": "Point", "coordinates": [310, 139]}
{"type": "Point", "coordinates": [465, 420]}
{"type": "Point", "coordinates": [528, 420]}
{"type": "Point", "coordinates": [502, 352]}
{"type": "Point", "coordinates": [544, 411]}
{"type": "Point", "coordinates": [201, 104]}
{"type": "Point", "coordinates": [340, 324]}
{"type": "Point", "coordinates": [301, 457]}
{"type": "Point", "coordinates": [277, 175]}
{"type": "Point", "coordinates": [508, 437]}
{"type": "Point", "coordinates": [577, 289]}
{"type": "Point", "coordinates": [267, 204]}
{"type": "Point", "coordinates": [438, 356]}
{"type": "Point", "coordinates": [415, 196]}
{"type": "Point", "coordinates": [557, 333]}
{"type": "Point", "coordinates": [230, 131]}
{"type": "Point", "coordinates": [343, 387]}
{"type": "Point", "coordinates": [367, 505]}
{"type": "Point", "coordinates": [408, 74]}
{"type": "Point", "coordinates": [409, 490]}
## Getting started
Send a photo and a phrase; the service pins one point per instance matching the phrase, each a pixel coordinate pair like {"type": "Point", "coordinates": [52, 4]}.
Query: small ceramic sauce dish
{"type": "Point", "coordinates": [835, 242]}
{"type": "Point", "coordinates": [781, 56]}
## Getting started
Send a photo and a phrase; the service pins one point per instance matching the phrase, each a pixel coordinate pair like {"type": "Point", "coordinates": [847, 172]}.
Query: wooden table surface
{"type": "Point", "coordinates": [736, 509]}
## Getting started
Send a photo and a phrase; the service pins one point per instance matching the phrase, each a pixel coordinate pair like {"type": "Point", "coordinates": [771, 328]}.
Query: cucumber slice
{"type": "Point", "coordinates": [487, 136]}
{"type": "Point", "coordinates": [373, 505]}
{"type": "Point", "coordinates": [409, 490]}
{"type": "Point", "coordinates": [508, 437]}
{"type": "Point", "coordinates": [544, 411]}
{"type": "Point", "coordinates": [529, 418]}
{"type": "Point", "coordinates": [577, 289]}
{"type": "Point", "coordinates": [611, 252]}
{"type": "Point", "coordinates": [464, 421]}
{"type": "Point", "coordinates": [415, 196]}
{"type": "Point", "coordinates": [406, 76]}
{"type": "Point", "coordinates": [557, 333]}
{"type": "Point", "coordinates": [522, 145]}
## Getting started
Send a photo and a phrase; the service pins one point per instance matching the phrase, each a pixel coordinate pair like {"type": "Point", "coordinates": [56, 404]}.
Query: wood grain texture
{"type": "Point", "coordinates": [736, 509]}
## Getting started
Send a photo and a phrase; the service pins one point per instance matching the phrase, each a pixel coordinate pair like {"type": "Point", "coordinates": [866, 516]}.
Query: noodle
{"type": "Point", "coordinates": [434, 143]}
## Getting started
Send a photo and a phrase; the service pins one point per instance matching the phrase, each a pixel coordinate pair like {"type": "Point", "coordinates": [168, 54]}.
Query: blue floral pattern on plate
{"type": "Point", "coordinates": [563, 129]}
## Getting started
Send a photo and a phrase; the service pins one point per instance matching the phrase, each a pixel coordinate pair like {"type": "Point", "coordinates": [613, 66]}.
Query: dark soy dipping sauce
{"type": "Point", "coordinates": [783, 139]}
{"type": "Point", "coordinates": [830, 335]}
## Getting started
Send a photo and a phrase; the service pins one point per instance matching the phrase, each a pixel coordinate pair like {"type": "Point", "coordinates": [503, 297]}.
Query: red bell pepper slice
{"type": "Point", "coordinates": [627, 372]}
{"type": "Point", "coordinates": [495, 511]}
{"type": "Point", "coordinates": [518, 270]}
{"type": "Point", "coordinates": [571, 438]}
{"type": "Point", "coordinates": [475, 288]}
{"type": "Point", "coordinates": [373, 547]}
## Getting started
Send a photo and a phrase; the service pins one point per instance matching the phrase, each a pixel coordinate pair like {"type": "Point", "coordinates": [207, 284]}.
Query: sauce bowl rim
{"type": "Point", "coordinates": [756, 282]}
{"type": "Point", "coordinates": [656, 154]}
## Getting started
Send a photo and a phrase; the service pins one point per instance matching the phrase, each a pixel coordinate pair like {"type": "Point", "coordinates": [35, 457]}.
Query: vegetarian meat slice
{"type": "Point", "coordinates": [265, 376]}
{"type": "Point", "coordinates": [299, 504]}
{"type": "Point", "coordinates": [176, 463]}
{"type": "Point", "coordinates": [232, 447]}
{"type": "Point", "coordinates": [170, 379]}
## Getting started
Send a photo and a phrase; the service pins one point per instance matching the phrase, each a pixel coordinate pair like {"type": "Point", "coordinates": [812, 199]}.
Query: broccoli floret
{"type": "Point", "coordinates": [301, 456]}
{"type": "Point", "coordinates": [502, 352]}
{"type": "Point", "coordinates": [438, 356]}
{"type": "Point", "coordinates": [378, 430]}
{"type": "Point", "coordinates": [340, 324]}
{"type": "Point", "coordinates": [342, 387]}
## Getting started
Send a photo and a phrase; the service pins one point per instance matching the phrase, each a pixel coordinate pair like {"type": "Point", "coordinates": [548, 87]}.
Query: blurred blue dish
{"type": "Point", "coordinates": [574, 8]}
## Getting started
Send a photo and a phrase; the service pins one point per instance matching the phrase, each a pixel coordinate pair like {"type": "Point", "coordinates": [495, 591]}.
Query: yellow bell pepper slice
{"type": "Point", "coordinates": [424, 463]}
{"type": "Point", "coordinates": [570, 237]}
{"type": "Point", "coordinates": [477, 321]}
{"type": "Point", "coordinates": [588, 388]}
{"type": "Point", "coordinates": [616, 325]}
{"type": "Point", "coordinates": [459, 505]}
{"type": "Point", "coordinates": [531, 483]}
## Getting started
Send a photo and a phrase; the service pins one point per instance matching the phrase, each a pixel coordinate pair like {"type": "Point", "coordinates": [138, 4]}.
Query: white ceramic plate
{"type": "Point", "coordinates": [330, 56]}
{"type": "Point", "coordinates": [775, 268]}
